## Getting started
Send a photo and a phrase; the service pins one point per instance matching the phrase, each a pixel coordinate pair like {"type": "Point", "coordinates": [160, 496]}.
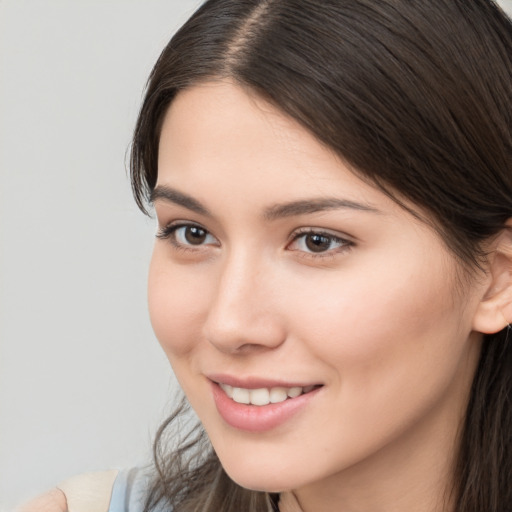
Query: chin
{"type": "Point", "coordinates": [265, 484]}
{"type": "Point", "coordinates": [260, 478]}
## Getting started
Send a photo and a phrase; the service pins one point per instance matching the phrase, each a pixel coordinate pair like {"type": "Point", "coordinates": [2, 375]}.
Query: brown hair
{"type": "Point", "coordinates": [417, 97]}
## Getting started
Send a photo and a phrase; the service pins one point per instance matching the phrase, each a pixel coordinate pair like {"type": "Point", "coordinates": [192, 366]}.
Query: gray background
{"type": "Point", "coordinates": [83, 383]}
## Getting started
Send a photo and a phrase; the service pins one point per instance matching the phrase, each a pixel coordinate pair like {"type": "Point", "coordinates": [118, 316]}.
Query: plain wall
{"type": "Point", "coordinates": [83, 383]}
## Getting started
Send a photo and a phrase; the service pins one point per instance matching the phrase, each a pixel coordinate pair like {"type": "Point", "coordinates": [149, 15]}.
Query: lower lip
{"type": "Point", "coordinates": [258, 418]}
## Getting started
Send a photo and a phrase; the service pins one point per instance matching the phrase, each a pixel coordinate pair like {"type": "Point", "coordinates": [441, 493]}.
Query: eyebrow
{"type": "Point", "coordinates": [274, 212]}
{"type": "Point", "coordinates": [175, 196]}
{"type": "Point", "coordinates": [306, 206]}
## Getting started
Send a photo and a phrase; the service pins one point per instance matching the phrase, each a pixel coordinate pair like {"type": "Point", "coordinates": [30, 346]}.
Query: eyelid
{"type": "Point", "coordinates": [175, 224]}
{"type": "Point", "coordinates": [346, 242]}
{"type": "Point", "coordinates": [167, 231]}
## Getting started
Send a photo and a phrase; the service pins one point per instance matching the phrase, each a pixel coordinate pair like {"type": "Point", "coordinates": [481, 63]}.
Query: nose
{"type": "Point", "coordinates": [244, 315]}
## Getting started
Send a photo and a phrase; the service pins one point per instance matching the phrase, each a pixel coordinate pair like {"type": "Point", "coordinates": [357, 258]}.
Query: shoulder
{"type": "Point", "coordinates": [105, 491]}
{"type": "Point", "coordinates": [53, 501]}
{"type": "Point", "coordinates": [89, 492]}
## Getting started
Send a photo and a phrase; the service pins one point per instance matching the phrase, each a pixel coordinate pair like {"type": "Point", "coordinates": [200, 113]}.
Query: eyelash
{"type": "Point", "coordinates": [168, 232]}
{"type": "Point", "coordinates": [344, 243]}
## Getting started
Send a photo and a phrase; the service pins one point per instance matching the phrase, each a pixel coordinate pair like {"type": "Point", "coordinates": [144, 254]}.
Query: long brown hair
{"type": "Point", "coordinates": [416, 96]}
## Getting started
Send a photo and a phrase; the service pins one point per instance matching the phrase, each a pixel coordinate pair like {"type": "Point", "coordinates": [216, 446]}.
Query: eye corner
{"type": "Point", "coordinates": [187, 236]}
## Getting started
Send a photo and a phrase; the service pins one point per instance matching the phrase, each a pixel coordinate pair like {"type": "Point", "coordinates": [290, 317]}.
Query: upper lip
{"type": "Point", "coordinates": [251, 382]}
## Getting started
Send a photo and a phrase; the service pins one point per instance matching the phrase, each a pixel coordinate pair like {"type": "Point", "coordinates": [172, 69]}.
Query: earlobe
{"type": "Point", "coordinates": [494, 312]}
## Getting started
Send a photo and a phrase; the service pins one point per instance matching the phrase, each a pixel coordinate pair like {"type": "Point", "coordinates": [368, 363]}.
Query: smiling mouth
{"type": "Point", "coordinates": [264, 396]}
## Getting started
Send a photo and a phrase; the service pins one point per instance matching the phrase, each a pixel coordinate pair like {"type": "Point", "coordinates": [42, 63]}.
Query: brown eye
{"type": "Point", "coordinates": [187, 235]}
{"type": "Point", "coordinates": [194, 235]}
{"type": "Point", "coordinates": [320, 243]}
{"type": "Point", "coordinates": [317, 242]}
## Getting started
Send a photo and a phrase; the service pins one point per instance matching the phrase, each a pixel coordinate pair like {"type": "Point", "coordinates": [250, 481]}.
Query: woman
{"type": "Point", "coordinates": [332, 275]}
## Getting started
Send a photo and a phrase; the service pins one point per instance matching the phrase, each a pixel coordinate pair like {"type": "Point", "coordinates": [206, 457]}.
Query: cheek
{"type": "Point", "coordinates": [393, 346]}
{"type": "Point", "coordinates": [177, 306]}
{"type": "Point", "coordinates": [370, 324]}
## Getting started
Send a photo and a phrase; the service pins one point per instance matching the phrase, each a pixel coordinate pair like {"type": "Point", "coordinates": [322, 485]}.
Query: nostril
{"type": "Point", "coordinates": [244, 334]}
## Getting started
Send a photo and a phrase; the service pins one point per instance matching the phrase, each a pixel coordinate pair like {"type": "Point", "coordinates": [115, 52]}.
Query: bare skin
{"type": "Point", "coordinates": [53, 501]}
{"type": "Point", "coordinates": [240, 296]}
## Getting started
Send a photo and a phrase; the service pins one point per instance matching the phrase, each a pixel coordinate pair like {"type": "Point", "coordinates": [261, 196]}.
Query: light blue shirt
{"type": "Point", "coordinates": [129, 491]}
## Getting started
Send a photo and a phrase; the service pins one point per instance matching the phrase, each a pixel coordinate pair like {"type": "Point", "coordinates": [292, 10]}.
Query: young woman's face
{"type": "Point", "coordinates": [278, 273]}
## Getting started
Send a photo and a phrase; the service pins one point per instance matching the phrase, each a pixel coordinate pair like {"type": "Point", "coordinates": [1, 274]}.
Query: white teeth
{"type": "Point", "coordinates": [260, 396]}
{"type": "Point", "coordinates": [278, 395]}
{"type": "Point", "coordinates": [227, 389]}
{"type": "Point", "coordinates": [263, 396]}
{"type": "Point", "coordinates": [241, 395]}
{"type": "Point", "coordinates": [294, 392]}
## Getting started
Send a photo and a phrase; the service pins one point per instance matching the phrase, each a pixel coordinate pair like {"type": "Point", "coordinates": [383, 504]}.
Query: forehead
{"type": "Point", "coordinates": [219, 132]}
{"type": "Point", "coordinates": [216, 116]}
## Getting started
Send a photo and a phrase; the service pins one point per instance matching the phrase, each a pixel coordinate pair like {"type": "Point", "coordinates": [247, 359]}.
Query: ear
{"type": "Point", "coordinates": [494, 312]}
